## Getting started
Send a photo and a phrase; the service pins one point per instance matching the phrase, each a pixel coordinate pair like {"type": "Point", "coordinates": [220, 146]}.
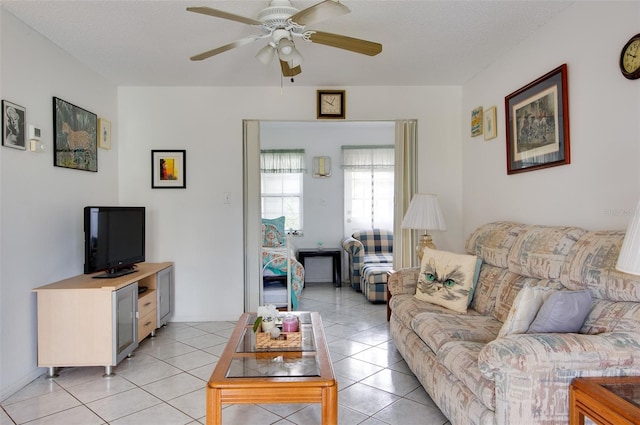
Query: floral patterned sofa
{"type": "Point", "coordinates": [476, 376]}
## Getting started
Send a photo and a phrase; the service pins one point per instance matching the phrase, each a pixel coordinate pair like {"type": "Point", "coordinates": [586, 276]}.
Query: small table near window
{"type": "Point", "coordinates": [606, 400]}
{"type": "Point", "coordinates": [334, 253]}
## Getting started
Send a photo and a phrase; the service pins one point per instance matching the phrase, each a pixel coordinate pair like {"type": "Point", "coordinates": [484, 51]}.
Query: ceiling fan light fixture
{"type": "Point", "coordinates": [266, 54]}
{"type": "Point", "coordinates": [295, 58]}
{"type": "Point", "coordinates": [285, 48]}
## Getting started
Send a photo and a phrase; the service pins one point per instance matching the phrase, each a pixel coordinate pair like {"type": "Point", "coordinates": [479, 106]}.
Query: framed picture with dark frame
{"type": "Point", "coordinates": [537, 119]}
{"type": "Point", "coordinates": [168, 169]}
{"type": "Point", "coordinates": [75, 137]}
{"type": "Point", "coordinates": [13, 126]}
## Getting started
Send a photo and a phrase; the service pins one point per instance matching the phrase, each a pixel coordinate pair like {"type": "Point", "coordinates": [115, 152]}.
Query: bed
{"type": "Point", "coordinates": [280, 268]}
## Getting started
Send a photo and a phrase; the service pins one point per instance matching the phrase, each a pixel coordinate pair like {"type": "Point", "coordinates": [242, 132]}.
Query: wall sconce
{"type": "Point", "coordinates": [321, 166]}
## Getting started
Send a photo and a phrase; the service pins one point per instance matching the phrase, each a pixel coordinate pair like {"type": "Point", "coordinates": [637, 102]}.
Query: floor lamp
{"type": "Point", "coordinates": [424, 214]}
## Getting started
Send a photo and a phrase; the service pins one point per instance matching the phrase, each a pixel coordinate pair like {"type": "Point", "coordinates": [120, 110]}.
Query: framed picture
{"type": "Point", "coordinates": [75, 137]}
{"type": "Point", "coordinates": [537, 118]}
{"type": "Point", "coordinates": [489, 123]}
{"type": "Point", "coordinates": [13, 126]}
{"type": "Point", "coordinates": [476, 121]}
{"type": "Point", "coordinates": [169, 169]}
{"type": "Point", "coordinates": [104, 133]}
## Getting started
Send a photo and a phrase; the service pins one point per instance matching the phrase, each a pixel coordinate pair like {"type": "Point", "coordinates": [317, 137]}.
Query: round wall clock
{"type": "Point", "coordinates": [630, 58]}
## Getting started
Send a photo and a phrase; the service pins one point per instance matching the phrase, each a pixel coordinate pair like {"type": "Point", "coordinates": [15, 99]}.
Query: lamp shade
{"type": "Point", "coordinates": [629, 258]}
{"type": "Point", "coordinates": [266, 54]}
{"type": "Point", "coordinates": [424, 213]}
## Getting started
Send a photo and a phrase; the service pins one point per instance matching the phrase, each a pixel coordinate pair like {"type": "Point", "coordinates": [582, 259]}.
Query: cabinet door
{"type": "Point", "coordinates": [164, 289]}
{"type": "Point", "coordinates": [125, 304]}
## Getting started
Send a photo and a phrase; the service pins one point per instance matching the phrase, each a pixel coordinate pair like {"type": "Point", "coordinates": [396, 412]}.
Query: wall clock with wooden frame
{"type": "Point", "coordinates": [331, 104]}
{"type": "Point", "coordinates": [630, 58]}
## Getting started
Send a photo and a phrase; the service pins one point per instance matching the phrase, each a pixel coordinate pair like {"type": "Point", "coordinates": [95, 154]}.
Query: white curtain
{"type": "Point", "coordinates": [406, 184]}
{"type": "Point", "coordinates": [368, 157]}
{"type": "Point", "coordinates": [282, 161]}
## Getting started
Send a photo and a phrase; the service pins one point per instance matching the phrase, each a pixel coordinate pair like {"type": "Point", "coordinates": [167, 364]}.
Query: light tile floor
{"type": "Point", "coordinates": [164, 382]}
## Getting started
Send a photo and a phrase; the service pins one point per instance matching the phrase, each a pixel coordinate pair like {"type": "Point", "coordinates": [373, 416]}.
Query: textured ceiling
{"type": "Point", "coordinates": [148, 43]}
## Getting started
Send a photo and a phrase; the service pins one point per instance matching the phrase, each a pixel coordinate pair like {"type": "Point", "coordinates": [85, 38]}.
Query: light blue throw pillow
{"type": "Point", "coordinates": [278, 222]}
{"type": "Point", "coordinates": [562, 312]}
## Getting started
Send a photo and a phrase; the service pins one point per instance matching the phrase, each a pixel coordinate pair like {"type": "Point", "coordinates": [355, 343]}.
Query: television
{"type": "Point", "coordinates": [114, 239]}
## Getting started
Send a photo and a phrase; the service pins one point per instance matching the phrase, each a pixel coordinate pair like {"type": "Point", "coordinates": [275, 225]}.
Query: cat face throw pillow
{"type": "Point", "coordinates": [446, 279]}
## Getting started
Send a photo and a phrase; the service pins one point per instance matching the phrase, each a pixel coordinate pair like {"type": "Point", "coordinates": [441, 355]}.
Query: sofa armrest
{"type": "Point", "coordinates": [571, 353]}
{"type": "Point", "coordinates": [403, 281]}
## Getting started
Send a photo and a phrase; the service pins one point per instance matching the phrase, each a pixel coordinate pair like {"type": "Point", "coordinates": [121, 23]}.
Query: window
{"type": "Point", "coordinates": [368, 187]}
{"type": "Point", "coordinates": [281, 185]}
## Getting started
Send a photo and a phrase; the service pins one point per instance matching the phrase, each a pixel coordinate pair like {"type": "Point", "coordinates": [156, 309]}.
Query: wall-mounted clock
{"type": "Point", "coordinates": [630, 58]}
{"type": "Point", "coordinates": [331, 104]}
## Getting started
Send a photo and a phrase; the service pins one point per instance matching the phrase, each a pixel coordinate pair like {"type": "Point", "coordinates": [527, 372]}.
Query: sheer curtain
{"type": "Point", "coordinates": [281, 161]}
{"type": "Point", "coordinates": [406, 184]}
{"type": "Point", "coordinates": [368, 187]}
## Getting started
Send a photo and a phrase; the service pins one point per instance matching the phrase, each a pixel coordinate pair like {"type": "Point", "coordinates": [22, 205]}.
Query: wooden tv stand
{"type": "Point", "coordinates": [84, 321]}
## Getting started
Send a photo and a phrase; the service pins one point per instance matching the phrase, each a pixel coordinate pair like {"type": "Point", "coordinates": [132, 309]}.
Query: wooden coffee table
{"type": "Point", "coordinates": [612, 400]}
{"type": "Point", "coordinates": [291, 375]}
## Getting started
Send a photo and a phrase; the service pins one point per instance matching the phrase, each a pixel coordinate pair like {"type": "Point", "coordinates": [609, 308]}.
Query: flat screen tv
{"type": "Point", "coordinates": [114, 240]}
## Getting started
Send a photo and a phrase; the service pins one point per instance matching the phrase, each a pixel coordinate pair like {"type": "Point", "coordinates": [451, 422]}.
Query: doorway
{"type": "Point", "coordinates": [402, 134]}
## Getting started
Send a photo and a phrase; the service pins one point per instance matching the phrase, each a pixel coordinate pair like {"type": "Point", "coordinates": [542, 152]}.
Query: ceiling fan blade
{"type": "Point", "coordinates": [288, 71]}
{"type": "Point", "coordinates": [224, 15]}
{"type": "Point", "coordinates": [319, 12]}
{"type": "Point", "coordinates": [347, 43]}
{"type": "Point", "coordinates": [221, 49]}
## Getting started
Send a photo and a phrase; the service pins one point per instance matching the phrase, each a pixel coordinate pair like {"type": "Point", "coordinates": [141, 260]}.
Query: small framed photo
{"type": "Point", "coordinates": [75, 140]}
{"type": "Point", "coordinates": [476, 121]}
{"type": "Point", "coordinates": [104, 133]}
{"type": "Point", "coordinates": [169, 169]}
{"type": "Point", "coordinates": [537, 118]}
{"type": "Point", "coordinates": [13, 126]}
{"type": "Point", "coordinates": [490, 127]}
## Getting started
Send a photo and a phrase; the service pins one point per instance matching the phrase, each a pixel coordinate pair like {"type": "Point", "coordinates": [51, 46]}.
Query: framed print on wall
{"type": "Point", "coordinates": [13, 126]}
{"type": "Point", "coordinates": [490, 127]}
{"type": "Point", "coordinates": [537, 119]}
{"type": "Point", "coordinates": [104, 133]}
{"type": "Point", "coordinates": [169, 169]}
{"type": "Point", "coordinates": [476, 121]}
{"type": "Point", "coordinates": [75, 137]}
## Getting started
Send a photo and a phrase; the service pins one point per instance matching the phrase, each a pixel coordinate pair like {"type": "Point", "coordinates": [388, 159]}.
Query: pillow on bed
{"type": "Point", "coordinates": [446, 279]}
{"type": "Point", "coordinates": [271, 236]}
{"type": "Point", "coordinates": [278, 222]}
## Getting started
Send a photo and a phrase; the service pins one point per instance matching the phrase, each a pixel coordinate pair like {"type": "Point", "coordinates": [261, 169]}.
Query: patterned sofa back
{"type": "Point", "coordinates": [556, 256]}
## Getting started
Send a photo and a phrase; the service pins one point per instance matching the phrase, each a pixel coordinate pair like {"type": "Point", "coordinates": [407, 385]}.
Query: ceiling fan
{"type": "Point", "coordinates": [280, 23]}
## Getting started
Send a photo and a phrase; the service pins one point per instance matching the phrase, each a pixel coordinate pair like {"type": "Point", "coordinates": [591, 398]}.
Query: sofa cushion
{"type": "Point", "coordinates": [524, 309]}
{"type": "Point", "coordinates": [484, 297]}
{"type": "Point", "coordinates": [446, 278]}
{"type": "Point", "coordinates": [461, 359]}
{"type": "Point", "coordinates": [377, 258]}
{"type": "Point", "coordinates": [436, 329]}
{"type": "Point", "coordinates": [591, 264]}
{"type": "Point", "coordinates": [609, 316]}
{"type": "Point", "coordinates": [405, 307]}
{"type": "Point", "coordinates": [540, 251]}
{"type": "Point", "coordinates": [509, 289]}
{"type": "Point", "coordinates": [492, 242]}
{"type": "Point", "coordinates": [562, 312]}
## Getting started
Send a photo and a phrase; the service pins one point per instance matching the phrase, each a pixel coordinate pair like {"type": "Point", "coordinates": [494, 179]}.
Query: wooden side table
{"type": "Point", "coordinates": [610, 401]}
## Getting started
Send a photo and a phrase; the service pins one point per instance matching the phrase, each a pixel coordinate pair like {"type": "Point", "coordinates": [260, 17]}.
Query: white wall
{"type": "Point", "coordinates": [600, 188]}
{"type": "Point", "coordinates": [193, 226]}
{"type": "Point", "coordinates": [41, 205]}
